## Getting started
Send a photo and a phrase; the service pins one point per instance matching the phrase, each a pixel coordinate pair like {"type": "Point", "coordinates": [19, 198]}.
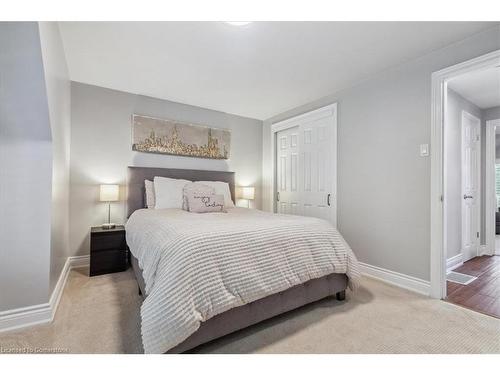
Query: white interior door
{"type": "Point", "coordinates": [316, 174]}
{"type": "Point", "coordinates": [306, 173]}
{"type": "Point", "coordinates": [470, 185]}
{"type": "Point", "coordinates": [287, 158]}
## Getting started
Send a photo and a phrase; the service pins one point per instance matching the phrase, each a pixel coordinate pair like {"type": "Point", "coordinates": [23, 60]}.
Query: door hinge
{"type": "Point", "coordinates": [441, 198]}
{"type": "Point", "coordinates": [477, 234]}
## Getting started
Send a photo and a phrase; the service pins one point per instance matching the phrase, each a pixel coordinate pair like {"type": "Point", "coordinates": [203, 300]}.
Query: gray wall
{"type": "Point", "coordinates": [383, 183]}
{"type": "Point", "coordinates": [453, 154]}
{"type": "Point", "coordinates": [491, 114]}
{"type": "Point", "coordinates": [58, 97]}
{"type": "Point", "coordinates": [25, 169]}
{"type": "Point", "coordinates": [101, 150]}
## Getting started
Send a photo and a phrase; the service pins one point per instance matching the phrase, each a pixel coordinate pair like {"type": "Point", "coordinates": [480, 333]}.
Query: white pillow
{"type": "Point", "coordinates": [194, 188]}
{"type": "Point", "coordinates": [220, 188]}
{"type": "Point", "coordinates": [150, 193]}
{"type": "Point", "coordinates": [168, 192]}
{"type": "Point", "coordinates": [201, 203]}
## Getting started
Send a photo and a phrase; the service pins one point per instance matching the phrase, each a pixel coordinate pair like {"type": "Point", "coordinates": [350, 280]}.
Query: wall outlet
{"type": "Point", "coordinates": [424, 149]}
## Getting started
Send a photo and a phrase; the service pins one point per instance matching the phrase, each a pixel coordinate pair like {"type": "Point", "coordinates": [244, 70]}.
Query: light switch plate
{"type": "Point", "coordinates": [424, 149]}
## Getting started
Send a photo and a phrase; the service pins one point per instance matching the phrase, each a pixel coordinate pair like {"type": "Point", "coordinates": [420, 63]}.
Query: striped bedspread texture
{"type": "Point", "coordinates": [196, 266]}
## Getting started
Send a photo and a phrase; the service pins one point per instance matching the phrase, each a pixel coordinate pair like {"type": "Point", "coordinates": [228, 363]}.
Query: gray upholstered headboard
{"type": "Point", "coordinates": [137, 175]}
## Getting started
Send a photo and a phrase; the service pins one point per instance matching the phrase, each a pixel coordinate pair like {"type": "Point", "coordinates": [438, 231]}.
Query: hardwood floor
{"type": "Point", "coordinates": [483, 294]}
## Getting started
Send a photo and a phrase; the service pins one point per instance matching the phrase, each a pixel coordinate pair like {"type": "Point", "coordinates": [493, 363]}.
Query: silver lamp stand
{"type": "Point", "coordinates": [109, 224]}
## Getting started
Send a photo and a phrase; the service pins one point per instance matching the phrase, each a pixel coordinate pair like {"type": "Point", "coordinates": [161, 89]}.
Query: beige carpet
{"type": "Point", "coordinates": [101, 315]}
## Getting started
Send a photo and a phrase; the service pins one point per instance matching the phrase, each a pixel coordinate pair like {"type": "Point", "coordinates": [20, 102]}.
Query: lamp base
{"type": "Point", "coordinates": [108, 225]}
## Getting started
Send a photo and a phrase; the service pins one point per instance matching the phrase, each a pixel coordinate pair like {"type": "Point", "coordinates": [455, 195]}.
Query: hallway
{"type": "Point", "coordinates": [483, 294]}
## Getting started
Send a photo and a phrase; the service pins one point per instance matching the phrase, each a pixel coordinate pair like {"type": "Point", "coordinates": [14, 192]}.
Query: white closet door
{"type": "Point", "coordinates": [288, 171]}
{"type": "Point", "coordinates": [306, 165]}
{"type": "Point", "coordinates": [316, 172]}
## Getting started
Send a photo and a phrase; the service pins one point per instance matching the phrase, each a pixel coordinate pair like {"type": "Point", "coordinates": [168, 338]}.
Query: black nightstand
{"type": "Point", "coordinates": [108, 250]}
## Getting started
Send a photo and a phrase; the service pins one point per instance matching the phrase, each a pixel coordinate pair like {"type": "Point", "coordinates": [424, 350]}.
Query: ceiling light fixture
{"type": "Point", "coordinates": [238, 23]}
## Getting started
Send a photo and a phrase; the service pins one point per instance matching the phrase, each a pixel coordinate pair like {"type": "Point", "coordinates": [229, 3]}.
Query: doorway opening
{"type": "Point", "coordinates": [465, 265]}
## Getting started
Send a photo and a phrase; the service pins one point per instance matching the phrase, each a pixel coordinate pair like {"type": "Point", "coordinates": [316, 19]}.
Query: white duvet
{"type": "Point", "coordinates": [196, 266]}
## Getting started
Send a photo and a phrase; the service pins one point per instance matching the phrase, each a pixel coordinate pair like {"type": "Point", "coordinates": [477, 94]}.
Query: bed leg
{"type": "Point", "coordinates": [340, 295]}
{"type": "Point", "coordinates": [139, 288]}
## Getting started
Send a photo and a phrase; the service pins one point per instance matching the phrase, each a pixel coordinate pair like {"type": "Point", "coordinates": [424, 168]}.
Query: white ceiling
{"type": "Point", "coordinates": [257, 70]}
{"type": "Point", "coordinates": [481, 88]}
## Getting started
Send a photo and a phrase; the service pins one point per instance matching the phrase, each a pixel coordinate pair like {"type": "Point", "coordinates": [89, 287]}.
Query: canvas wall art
{"type": "Point", "coordinates": [178, 138]}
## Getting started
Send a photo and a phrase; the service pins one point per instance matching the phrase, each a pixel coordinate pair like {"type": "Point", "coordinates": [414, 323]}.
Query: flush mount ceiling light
{"type": "Point", "coordinates": [238, 23]}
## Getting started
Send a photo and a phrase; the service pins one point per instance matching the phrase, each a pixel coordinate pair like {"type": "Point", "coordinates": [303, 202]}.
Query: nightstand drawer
{"type": "Point", "coordinates": [108, 241]}
{"type": "Point", "coordinates": [108, 261]}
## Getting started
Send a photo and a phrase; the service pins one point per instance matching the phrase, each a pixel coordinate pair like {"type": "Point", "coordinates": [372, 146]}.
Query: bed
{"type": "Point", "coordinates": [204, 276]}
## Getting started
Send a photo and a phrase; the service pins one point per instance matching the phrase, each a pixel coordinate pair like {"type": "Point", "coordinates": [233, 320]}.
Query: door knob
{"type": "Point", "coordinates": [328, 199]}
{"type": "Point", "coordinates": [468, 196]}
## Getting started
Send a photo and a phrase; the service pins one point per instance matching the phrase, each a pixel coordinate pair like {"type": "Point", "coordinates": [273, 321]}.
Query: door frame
{"type": "Point", "coordinates": [479, 198]}
{"type": "Point", "coordinates": [326, 111]}
{"type": "Point", "coordinates": [490, 196]}
{"type": "Point", "coordinates": [438, 201]}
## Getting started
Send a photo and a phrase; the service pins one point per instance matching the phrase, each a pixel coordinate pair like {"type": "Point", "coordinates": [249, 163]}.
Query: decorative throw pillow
{"type": "Point", "coordinates": [168, 192]}
{"type": "Point", "coordinates": [220, 188]}
{"type": "Point", "coordinates": [150, 193]}
{"type": "Point", "coordinates": [194, 188]}
{"type": "Point", "coordinates": [201, 203]}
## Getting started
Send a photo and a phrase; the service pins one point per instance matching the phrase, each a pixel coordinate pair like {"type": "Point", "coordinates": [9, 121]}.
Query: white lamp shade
{"type": "Point", "coordinates": [247, 192]}
{"type": "Point", "coordinates": [109, 193]}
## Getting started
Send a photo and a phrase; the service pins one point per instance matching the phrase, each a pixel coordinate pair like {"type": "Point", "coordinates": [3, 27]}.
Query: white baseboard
{"type": "Point", "coordinates": [45, 312]}
{"type": "Point", "coordinates": [25, 316]}
{"type": "Point", "coordinates": [454, 262]}
{"type": "Point", "coordinates": [79, 261]}
{"type": "Point", "coordinates": [395, 278]}
{"type": "Point", "coordinates": [483, 250]}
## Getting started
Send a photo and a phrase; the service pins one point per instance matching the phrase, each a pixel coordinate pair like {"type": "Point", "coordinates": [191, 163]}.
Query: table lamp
{"type": "Point", "coordinates": [247, 193]}
{"type": "Point", "coordinates": [109, 193]}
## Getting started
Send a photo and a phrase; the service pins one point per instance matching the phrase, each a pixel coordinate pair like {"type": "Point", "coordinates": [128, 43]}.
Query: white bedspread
{"type": "Point", "coordinates": [196, 266]}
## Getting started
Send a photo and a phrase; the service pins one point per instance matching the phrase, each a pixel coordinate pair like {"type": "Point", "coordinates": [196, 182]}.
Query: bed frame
{"type": "Point", "coordinates": [239, 317]}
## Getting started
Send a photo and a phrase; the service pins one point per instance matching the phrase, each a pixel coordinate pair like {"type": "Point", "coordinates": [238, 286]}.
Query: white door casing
{"type": "Point", "coordinates": [470, 185]}
{"type": "Point", "coordinates": [305, 158]}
